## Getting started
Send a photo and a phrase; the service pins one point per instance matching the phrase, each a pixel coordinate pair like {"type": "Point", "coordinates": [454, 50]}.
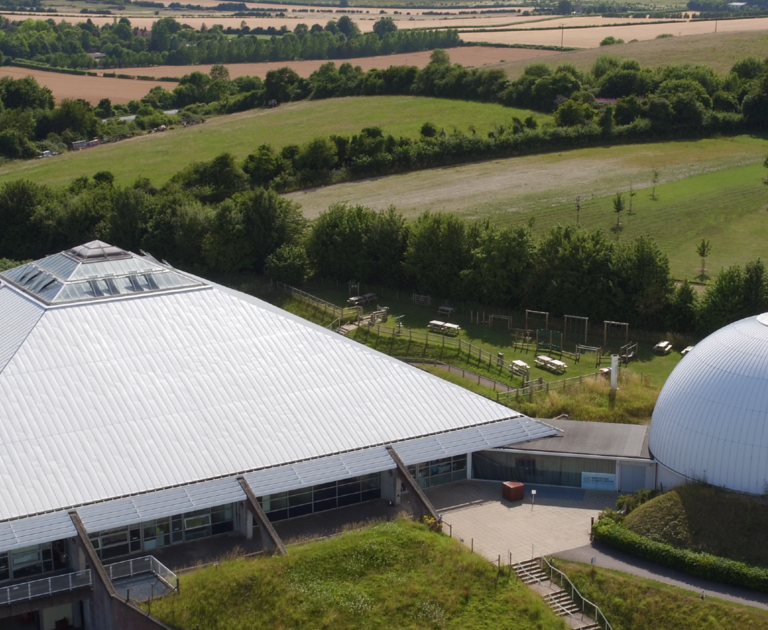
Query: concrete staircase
{"type": "Point", "coordinates": [557, 599]}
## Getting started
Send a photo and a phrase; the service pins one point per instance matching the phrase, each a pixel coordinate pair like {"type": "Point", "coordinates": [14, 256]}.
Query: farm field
{"type": "Point", "coordinates": [708, 188]}
{"type": "Point", "coordinates": [717, 50]}
{"type": "Point", "coordinates": [472, 56]}
{"type": "Point", "coordinates": [591, 37]}
{"type": "Point", "coordinates": [92, 89]}
{"type": "Point", "coordinates": [159, 156]}
{"type": "Point", "coordinates": [387, 575]}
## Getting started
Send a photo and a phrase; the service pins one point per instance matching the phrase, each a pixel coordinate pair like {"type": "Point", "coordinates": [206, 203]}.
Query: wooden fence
{"type": "Point", "coordinates": [532, 387]}
{"type": "Point", "coordinates": [342, 313]}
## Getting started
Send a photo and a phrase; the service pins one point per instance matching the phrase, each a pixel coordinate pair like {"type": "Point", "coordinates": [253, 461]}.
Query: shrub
{"type": "Point", "coordinates": [696, 563]}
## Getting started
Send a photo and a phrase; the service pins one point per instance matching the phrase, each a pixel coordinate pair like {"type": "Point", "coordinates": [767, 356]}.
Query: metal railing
{"type": "Point", "coordinates": [545, 386]}
{"type": "Point", "coordinates": [47, 586]}
{"type": "Point", "coordinates": [137, 566]}
{"type": "Point", "coordinates": [586, 606]}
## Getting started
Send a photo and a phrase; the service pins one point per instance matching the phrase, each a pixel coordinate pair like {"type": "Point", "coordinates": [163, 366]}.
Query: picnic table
{"type": "Point", "coordinates": [686, 350]}
{"type": "Point", "coordinates": [548, 363]}
{"type": "Point", "coordinates": [443, 328]}
{"type": "Point", "coordinates": [519, 367]}
{"type": "Point", "coordinates": [663, 347]}
{"type": "Point", "coordinates": [447, 311]}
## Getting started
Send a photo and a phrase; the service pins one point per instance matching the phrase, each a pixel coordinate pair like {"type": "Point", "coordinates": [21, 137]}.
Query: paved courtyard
{"type": "Point", "coordinates": [559, 520]}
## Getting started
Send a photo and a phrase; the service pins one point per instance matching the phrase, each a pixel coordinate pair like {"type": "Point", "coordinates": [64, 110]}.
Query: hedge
{"type": "Point", "coordinates": [696, 563]}
{"type": "Point", "coordinates": [21, 63]}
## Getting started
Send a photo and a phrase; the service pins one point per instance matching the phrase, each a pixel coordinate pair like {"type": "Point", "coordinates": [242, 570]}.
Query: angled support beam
{"type": "Point", "coordinates": [98, 572]}
{"type": "Point", "coordinates": [420, 499]}
{"type": "Point", "coordinates": [269, 537]}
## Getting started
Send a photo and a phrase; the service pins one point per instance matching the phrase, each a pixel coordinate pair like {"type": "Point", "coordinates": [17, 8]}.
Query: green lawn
{"type": "Point", "coordinates": [389, 575]}
{"type": "Point", "coordinates": [711, 188]}
{"type": "Point", "coordinates": [159, 156]}
{"type": "Point", "coordinates": [634, 603]}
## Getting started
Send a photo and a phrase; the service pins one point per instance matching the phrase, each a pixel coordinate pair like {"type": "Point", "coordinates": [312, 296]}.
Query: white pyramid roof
{"type": "Point", "coordinates": [121, 394]}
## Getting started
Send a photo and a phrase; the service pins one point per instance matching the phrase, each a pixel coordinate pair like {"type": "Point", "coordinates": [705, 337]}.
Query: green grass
{"type": "Point", "coordinates": [159, 156]}
{"type": "Point", "coordinates": [390, 575]}
{"type": "Point", "coordinates": [639, 387]}
{"type": "Point", "coordinates": [706, 518]}
{"type": "Point", "coordinates": [718, 50]}
{"type": "Point", "coordinates": [711, 188]}
{"type": "Point", "coordinates": [634, 603]}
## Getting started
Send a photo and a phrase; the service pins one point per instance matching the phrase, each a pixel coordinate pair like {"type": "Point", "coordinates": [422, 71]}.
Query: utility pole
{"type": "Point", "coordinates": [562, 34]}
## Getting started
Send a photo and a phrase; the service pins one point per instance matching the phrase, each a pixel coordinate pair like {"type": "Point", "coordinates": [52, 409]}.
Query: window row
{"type": "Point", "coordinates": [440, 471]}
{"type": "Point", "coordinates": [325, 496]}
{"type": "Point", "coordinates": [161, 532]}
{"type": "Point", "coordinates": [28, 562]}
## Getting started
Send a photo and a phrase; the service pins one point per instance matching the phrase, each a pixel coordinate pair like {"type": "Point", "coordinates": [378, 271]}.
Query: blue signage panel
{"type": "Point", "coordinates": [598, 481]}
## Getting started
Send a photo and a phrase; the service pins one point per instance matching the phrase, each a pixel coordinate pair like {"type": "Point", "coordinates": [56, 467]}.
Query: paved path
{"type": "Point", "coordinates": [560, 518]}
{"type": "Point", "coordinates": [612, 559]}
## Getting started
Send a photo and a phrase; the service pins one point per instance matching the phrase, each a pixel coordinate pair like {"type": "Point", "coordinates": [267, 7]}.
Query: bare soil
{"type": "Point", "coordinates": [591, 37]}
{"type": "Point", "coordinates": [92, 89]}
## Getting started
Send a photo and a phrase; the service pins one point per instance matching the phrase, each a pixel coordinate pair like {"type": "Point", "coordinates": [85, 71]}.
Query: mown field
{"type": "Point", "coordinates": [159, 156]}
{"type": "Point", "coordinates": [717, 50]}
{"type": "Point", "coordinates": [389, 575]}
{"type": "Point", "coordinates": [634, 603]}
{"type": "Point", "coordinates": [709, 188]}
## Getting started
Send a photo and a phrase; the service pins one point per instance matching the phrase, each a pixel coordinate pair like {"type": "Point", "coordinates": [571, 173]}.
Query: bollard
{"type": "Point", "coordinates": [473, 544]}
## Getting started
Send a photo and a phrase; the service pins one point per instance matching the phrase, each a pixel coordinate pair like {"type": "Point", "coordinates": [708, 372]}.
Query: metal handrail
{"type": "Point", "coordinates": [47, 586]}
{"type": "Point", "coordinates": [137, 566]}
{"type": "Point", "coordinates": [574, 591]}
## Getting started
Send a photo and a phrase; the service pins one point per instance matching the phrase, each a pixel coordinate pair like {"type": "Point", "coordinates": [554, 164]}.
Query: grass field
{"type": "Point", "coordinates": [708, 189]}
{"type": "Point", "coordinates": [718, 50]}
{"type": "Point", "coordinates": [706, 518]}
{"type": "Point", "coordinates": [159, 156]}
{"type": "Point", "coordinates": [634, 603]}
{"type": "Point", "coordinates": [389, 575]}
{"type": "Point", "coordinates": [639, 387]}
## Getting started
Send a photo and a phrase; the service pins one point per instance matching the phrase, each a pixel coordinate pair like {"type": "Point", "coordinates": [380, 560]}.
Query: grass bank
{"type": "Point", "coordinates": [633, 603]}
{"type": "Point", "coordinates": [159, 156]}
{"type": "Point", "coordinates": [390, 575]}
{"type": "Point", "coordinates": [705, 518]}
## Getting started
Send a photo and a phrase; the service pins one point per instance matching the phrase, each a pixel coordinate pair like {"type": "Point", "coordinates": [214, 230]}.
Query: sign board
{"type": "Point", "coordinates": [598, 481]}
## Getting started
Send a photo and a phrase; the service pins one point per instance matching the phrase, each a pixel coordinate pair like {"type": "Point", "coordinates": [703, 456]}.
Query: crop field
{"type": "Point", "coordinates": [591, 37]}
{"type": "Point", "coordinates": [707, 188]}
{"type": "Point", "coordinates": [159, 156]}
{"type": "Point", "coordinates": [471, 56]}
{"type": "Point", "coordinates": [92, 89]}
{"type": "Point", "coordinates": [717, 50]}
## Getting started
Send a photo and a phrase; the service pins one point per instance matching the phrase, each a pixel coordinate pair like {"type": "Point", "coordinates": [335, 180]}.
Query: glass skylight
{"type": "Point", "coordinates": [95, 271]}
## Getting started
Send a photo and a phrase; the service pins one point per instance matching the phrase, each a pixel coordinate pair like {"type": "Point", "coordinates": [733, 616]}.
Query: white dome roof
{"type": "Point", "coordinates": [711, 419]}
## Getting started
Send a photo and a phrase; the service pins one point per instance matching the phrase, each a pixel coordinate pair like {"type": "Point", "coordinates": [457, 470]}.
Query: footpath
{"type": "Point", "coordinates": [611, 559]}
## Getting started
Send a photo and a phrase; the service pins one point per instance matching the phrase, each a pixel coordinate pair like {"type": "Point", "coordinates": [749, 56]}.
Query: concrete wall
{"type": "Point", "coordinates": [667, 479]}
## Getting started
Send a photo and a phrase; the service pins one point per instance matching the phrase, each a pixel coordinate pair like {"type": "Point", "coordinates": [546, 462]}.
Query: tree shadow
{"type": "Point", "coordinates": [703, 277]}
{"type": "Point", "coordinates": [617, 229]}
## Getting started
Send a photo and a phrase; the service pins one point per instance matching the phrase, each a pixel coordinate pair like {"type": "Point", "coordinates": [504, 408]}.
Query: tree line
{"type": "Point", "coordinates": [65, 45]}
{"type": "Point", "coordinates": [566, 270]}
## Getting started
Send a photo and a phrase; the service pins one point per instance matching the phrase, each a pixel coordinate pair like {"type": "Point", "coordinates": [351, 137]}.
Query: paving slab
{"type": "Point", "coordinates": [560, 518]}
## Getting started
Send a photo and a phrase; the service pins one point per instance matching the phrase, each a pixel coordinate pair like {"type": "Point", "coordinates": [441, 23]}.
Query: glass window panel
{"type": "Point", "coordinates": [370, 495]}
{"type": "Point", "coordinates": [222, 513]}
{"type": "Point", "coordinates": [114, 537]}
{"type": "Point", "coordinates": [5, 568]}
{"type": "Point", "coordinates": [176, 523]}
{"type": "Point", "coordinates": [27, 555]}
{"type": "Point", "coordinates": [371, 481]}
{"type": "Point", "coordinates": [203, 520]}
{"type": "Point", "coordinates": [299, 497]}
{"type": "Point", "coordinates": [221, 528]}
{"type": "Point", "coordinates": [299, 510]}
{"type": "Point", "coordinates": [459, 462]}
{"type": "Point", "coordinates": [274, 502]}
{"type": "Point", "coordinates": [327, 504]}
{"type": "Point", "coordinates": [114, 552]}
{"type": "Point", "coordinates": [349, 487]}
{"type": "Point", "coordinates": [277, 515]}
{"type": "Point", "coordinates": [199, 532]}
{"type": "Point", "coordinates": [349, 499]}
{"type": "Point", "coordinates": [324, 491]}
{"type": "Point", "coordinates": [134, 534]}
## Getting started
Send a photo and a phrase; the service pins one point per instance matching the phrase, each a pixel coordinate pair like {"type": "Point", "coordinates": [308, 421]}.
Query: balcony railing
{"type": "Point", "coordinates": [70, 581]}
{"type": "Point", "coordinates": [47, 586]}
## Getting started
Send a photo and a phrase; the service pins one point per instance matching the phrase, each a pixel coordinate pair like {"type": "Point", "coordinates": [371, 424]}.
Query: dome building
{"type": "Point", "coordinates": [711, 420]}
